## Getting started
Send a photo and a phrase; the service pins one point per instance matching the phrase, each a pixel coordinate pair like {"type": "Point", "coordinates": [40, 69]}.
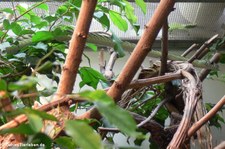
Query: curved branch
{"type": "Point", "coordinates": [207, 117]}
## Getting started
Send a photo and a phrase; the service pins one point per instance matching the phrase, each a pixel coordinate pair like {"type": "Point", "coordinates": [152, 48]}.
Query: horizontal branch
{"type": "Point", "coordinates": [154, 80]}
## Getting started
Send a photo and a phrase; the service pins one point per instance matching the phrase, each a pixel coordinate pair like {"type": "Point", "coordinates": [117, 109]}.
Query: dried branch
{"type": "Point", "coordinates": [205, 45]}
{"type": "Point", "coordinates": [154, 80]}
{"type": "Point", "coordinates": [164, 48]}
{"type": "Point", "coordinates": [203, 53]}
{"type": "Point", "coordinates": [206, 118]}
{"type": "Point", "coordinates": [204, 72]}
{"type": "Point", "coordinates": [109, 67]}
{"type": "Point", "coordinates": [191, 48]}
{"type": "Point", "coordinates": [102, 61]}
{"type": "Point", "coordinates": [154, 112]}
{"type": "Point", "coordinates": [191, 89]}
{"type": "Point", "coordinates": [103, 129]}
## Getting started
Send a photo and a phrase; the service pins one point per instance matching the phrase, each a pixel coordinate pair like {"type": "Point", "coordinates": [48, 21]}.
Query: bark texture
{"type": "Point", "coordinates": [76, 48]}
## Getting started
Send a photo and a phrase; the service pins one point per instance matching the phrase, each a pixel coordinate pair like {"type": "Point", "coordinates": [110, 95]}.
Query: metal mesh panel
{"type": "Point", "coordinates": [209, 18]}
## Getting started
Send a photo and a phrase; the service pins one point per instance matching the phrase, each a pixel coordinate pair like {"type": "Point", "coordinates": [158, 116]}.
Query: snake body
{"type": "Point", "coordinates": [105, 40]}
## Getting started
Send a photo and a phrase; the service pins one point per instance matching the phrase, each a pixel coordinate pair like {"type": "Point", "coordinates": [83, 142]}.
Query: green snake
{"type": "Point", "coordinates": [105, 40]}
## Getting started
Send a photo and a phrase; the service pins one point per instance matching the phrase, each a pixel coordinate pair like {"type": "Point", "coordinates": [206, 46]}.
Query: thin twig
{"type": "Point", "coordinates": [102, 62]}
{"type": "Point", "coordinates": [164, 48]}
{"type": "Point", "coordinates": [144, 101]}
{"type": "Point", "coordinates": [191, 48]}
{"type": "Point", "coordinates": [14, 9]}
{"type": "Point", "coordinates": [154, 80]}
{"type": "Point", "coordinates": [154, 112]}
{"type": "Point", "coordinates": [59, 102]}
{"type": "Point", "coordinates": [103, 129]}
{"type": "Point", "coordinates": [36, 69]}
{"type": "Point", "coordinates": [205, 45]}
{"type": "Point", "coordinates": [203, 53]}
{"type": "Point", "coordinates": [38, 4]}
{"type": "Point", "coordinates": [206, 118]}
{"type": "Point", "coordinates": [214, 60]}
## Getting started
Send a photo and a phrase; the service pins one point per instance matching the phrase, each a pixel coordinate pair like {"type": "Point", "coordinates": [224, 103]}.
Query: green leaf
{"type": "Point", "coordinates": [24, 32]}
{"type": "Point", "coordinates": [118, 46]}
{"type": "Point", "coordinates": [43, 6]}
{"type": "Point", "coordinates": [24, 83]}
{"type": "Point", "coordinates": [23, 11]}
{"type": "Point", "coordinates": [6, 24]}
{"type": "Point", "coordinates": [83, 134]}
{"type": "Point", "coordinates": [118, 20]}
{"type": "Point", "coordinates": [21, 129]}
{"type": "Point", "coordinates": [3, 85]}
{"type": "Point", "coordinates": [90, 77]}
{"type": "Point", "coordinates": [42, 139]}
{"type": "Point", "coordinates": [65, 142]}
{"type": "Point", "coordinates": [35, 19]}
{"type": "Point", "coordinates": [42, 36]}
{"type": "Point", "coordinates": [129, 10]}
{"type": "Point", "coordinates": [113, 113]}
{"type": "Point", "coordinates": [16, 28]}
{"type": "Point", "coordinates": [222, 58]}
{"type": "Point", "coordinates": [28, 111]}
{"type": "Point", "coordinates": [62, 10]}
{"type": "Point", "coordinates": [8, 10]}
{"type": "Point", "coordinates": [41, 45]}
{"type": "Point", "coordinates": [103, 19]}
{"type": "Point", "coordinates": [1, 34]}
{"type": "Point", "coordinates": [35, 122]}
{"type": "Point", "coordinates": [142, 5]}
{"type": "Point", "coordinates": [51, 19]}
{"type": "Point", "coordinates": [92, 46]}
{"type": "Point", "coordinates": [41, 25]}
{"type": "Point", "coordinates": [45, 67]}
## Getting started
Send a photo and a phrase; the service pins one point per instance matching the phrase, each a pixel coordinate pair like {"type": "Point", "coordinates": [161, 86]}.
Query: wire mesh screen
{"type": "Point", "coordinates": [208, 19]}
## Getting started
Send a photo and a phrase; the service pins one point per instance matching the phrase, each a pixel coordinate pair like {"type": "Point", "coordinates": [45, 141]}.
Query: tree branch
{"type": "Point", "coordinates": [164, 48]}
{"type": "Point", "coordinates": [76, 47]}
{"type": "Point", "coordinates": [205, 45]}
{"type": "Point", "coordinates": [191, 48]}
{"type": "Point", "coordinates": [206, 118]}
{"type": "Point", "coordinates": [154, 80]}
{"type": "Point", "coordinates": [154, 112]}
{"type": "Point", "coordinates": [138, 55]}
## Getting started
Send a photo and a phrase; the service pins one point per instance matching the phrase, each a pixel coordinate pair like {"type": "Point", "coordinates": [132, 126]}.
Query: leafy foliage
{"type": "Point", "coordinates": [112, 112]}
{"type": "Point", "coordinates": [85, 137]}
{"type": "Point", "coordinates": [90, 77]}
